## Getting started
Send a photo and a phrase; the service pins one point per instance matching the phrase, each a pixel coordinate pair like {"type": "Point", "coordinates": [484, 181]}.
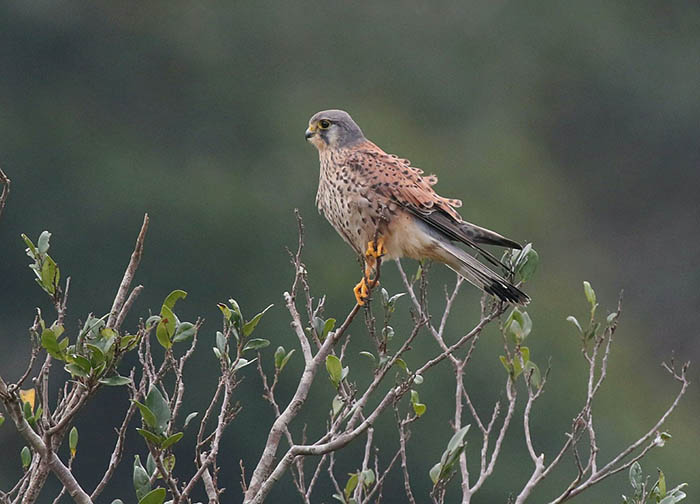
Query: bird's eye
{"type": "Point", "coordinates": [324, 124]}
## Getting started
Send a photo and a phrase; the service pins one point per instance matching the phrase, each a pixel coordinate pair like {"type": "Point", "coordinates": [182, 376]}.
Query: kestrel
{"type": "Point", "coordinates": [383, 206]}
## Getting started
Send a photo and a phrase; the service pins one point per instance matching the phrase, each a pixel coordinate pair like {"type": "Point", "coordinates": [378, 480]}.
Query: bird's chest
{"type": "Point", "coordinates": [344, 199]}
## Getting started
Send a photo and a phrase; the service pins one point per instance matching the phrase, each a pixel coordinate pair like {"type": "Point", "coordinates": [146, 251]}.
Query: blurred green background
{"type": "Point", "coordinates": [570, 124]}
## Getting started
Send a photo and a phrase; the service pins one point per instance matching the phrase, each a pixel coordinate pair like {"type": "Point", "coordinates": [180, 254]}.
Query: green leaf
{"type": "Point", "coordinates": [256, 344]}
{"type": "Point", "coordinates": [128, 342]}
{"type": "Point", "coordinates": [50, 275]}
{"type": "Point", "coordinates": [518, 325]}
{"type": "Point", "coordinates": [115, 381]}
{"type": "Point", "coordinates": [388, 333]}
{"type": "Point", "coordinates": [457, 439]}
{"type": "Point", "coordinates": [661, 484]}
{"type": "Point", "coordinates": [435, 473]}
{"type": "Point", "coordinates": [156, 439]}
{"type": "Point", "coordinates": [152, 320]}
{"type": "Point", "coordinates": [236, 314]}
{"type": "Point", "coordinates": [525, 353]}
{"type": "Point", "coordinates": [184, 331]}
{"type": "Point", "coordinates": [351, 485]}
{"type": "Point", "coordinates": [250, 326]}
{"type": "Point", "coordinates": [243, 363]}
{"type": "Point", "coordinates": [156, 496]}
{"type": "Point", "coordinates": [171, 440]}
{"type": "Point", "coordinates": [32, 249]}
{"type": "Point", "coordinates": [151, 465]}
{"type": "Point", "coordinates": [367, 477]}
{"type": "Point", "coordinates": [335, 369]}
{"type": "Point", "coordinates": [97, 355]}
{"type": "Point", "coordinates": [28, 411]}
{"type": "Point", "coordinates": [327, 328]}
{"type": "Point", "coordinates": [225, 310]}
{"type": "Point", "coordinates": [43, 242]}
{"type": "Point", "coordinates": [57, 329]}
{"type": "Point", "coordinates": [26, 456]}
{"type": "Point", "coordinates": [672, 499]}
{"type": "Point", "coordinates": [169, 463]}
{"type": "Point", "coordinates": [279, 356]}
{"type": "Point", "coordinates": [505, 363]}
{"type": "Point", "coordinates": [402, 364]}
{"type": "Point", "coordinates": [2, 420]}
{"type": "Point", "coordinates": [50, 344]}
{"type": "Point", "coordinates": [527, 263]}
{"type": "Point", "coordinates": [418, 274]}
{"type": "Point", "coordinates": [148, 417]}
{"type": "Point", "coordinates": [221, 342]}
{"type": "Point", "coordinates": [418, 407]}
{"type": "Point", "coordinates": [73, 441]}
{"type": "Point", "coordinates": [141, 481]}
{"type": "Point", "coordinates": [369, 355]}
{"type": "Point", "coordinates": [160, 408]}
{"type": "Point", "coordinates": [166, 327]}
{"type": "Point", "coordinates": [636, 476]}
{"type": "Point", "coordinates": [189, 418]}
{"type": "Point", "coordinates": [532, 371]}
{"type": "Point", "coordinates": [454, 449]}
{"type": "Point", "coordinates": [76, 370]}
{"type": "Point", "coordinates": [286, 359]}
{"type": "Point", "coordinates": [317, 324]}
{"type": "Point", "coordinates": [391, 303]}
{"type": "Point", "coordinates": [590, 293]}
{"type": "Point", "coordinates": [573, 320]}
{"type": "Point", "coordinates": [173, 298]}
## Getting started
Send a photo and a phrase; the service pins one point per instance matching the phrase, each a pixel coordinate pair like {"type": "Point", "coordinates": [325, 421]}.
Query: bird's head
{"type": "Point", "coordinates": [333, 129]}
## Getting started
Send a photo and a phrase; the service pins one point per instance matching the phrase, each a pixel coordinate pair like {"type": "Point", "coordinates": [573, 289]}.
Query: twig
{"type": "Point", "coordinates": [120, 298]}
{"type": "Point", "coordinates": [116, 456]}
{"type": "Point", "coordinates": [5, 181]}
{"type": "Point", "coordinates": [127, 306]}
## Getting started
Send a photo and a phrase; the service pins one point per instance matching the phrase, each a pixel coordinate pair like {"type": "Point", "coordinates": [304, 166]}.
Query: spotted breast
{"type": "Point", "coordinates": [345, 199]}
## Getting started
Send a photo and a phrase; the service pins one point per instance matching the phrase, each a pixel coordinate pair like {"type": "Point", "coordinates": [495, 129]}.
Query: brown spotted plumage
{"type": "Point", "coordinates": [366, 193]}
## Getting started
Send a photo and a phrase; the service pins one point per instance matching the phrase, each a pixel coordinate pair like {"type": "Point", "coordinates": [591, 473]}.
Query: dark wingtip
{"type": "Point", "coordinates": [507, 293]}
{"type": "Point", "coordinates": [515, 245]}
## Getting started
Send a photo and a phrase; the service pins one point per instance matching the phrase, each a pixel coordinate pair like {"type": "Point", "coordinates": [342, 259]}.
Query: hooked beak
{"type": "Point", "coordinates": [310, 131]}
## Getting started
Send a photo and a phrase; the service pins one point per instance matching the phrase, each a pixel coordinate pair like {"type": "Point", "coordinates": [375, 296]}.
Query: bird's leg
{"type": "Point", "coordinates": [361, 292]}
{"type": "Point", "coordinates": [374, 251]}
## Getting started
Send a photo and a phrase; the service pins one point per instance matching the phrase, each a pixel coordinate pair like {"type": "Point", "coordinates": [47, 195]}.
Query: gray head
{"type": "Point", "coordinates": [333, 129]}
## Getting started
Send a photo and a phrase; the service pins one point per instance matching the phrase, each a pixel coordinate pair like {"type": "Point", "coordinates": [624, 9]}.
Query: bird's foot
{"type": "Point", "coordinates": [375, 250]}
{"type": "Point", "coordinates": [361, 292]}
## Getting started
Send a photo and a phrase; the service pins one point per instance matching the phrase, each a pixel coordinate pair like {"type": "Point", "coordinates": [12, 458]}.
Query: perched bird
{"type": "Point", "coordinates": [383, 206]}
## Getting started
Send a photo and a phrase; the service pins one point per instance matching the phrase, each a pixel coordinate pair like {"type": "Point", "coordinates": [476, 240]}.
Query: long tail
{"type": "Point", "coordinates": [476, 273]}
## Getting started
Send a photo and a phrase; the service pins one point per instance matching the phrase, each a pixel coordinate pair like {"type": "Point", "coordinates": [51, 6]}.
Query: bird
{"type": "Point", "coordinates": [382, 206]}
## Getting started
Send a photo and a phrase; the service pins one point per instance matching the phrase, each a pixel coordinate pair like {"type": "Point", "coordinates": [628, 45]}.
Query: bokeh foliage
{"type": "Point", "coordinates": [573, 126]}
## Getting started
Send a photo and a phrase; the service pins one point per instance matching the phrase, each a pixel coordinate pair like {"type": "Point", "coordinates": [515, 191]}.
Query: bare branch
{"type": "Point", "coordinates": [120, 298]}
{"type": "Point", "coordinates": [5, 181]}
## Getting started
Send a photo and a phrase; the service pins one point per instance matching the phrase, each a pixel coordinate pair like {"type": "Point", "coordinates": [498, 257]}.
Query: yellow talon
{"type": "Point", "coordinates": [361, 292]}
{"type": "Point", "coordinates": [375, 252]}
{"type": "Point", "coordinates": [362, 289]}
